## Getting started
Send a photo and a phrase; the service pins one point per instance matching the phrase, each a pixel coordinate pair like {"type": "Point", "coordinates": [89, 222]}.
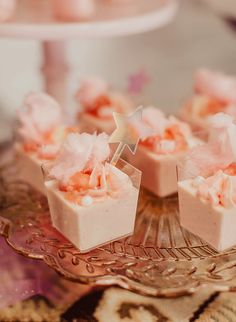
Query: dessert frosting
{"type": "Point", "coordinates": [218, 153]}
{"type": "Point", "coordinates": [7, 8]}
{"type": "Point", "coordinates": [219, 189]}
{"type": "Point", "coordinates": [216, 85]}
{"type": "Point", "coordinates": [38, 117]}
{"type": "Point", "coordinates": [163, 134]}
{"type": "Point", "coordinates": [82, 170]}
{"type": "Point", "coordinates": [214, 92]}
{"type": "Point", "coordinates": [213, 166]}
{"type": "Point", "coordinates": [40, 125]}
{"type": "Point", "coordinates": [95, 98]}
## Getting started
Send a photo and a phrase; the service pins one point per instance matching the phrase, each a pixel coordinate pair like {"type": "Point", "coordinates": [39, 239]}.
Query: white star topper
{"type": "Point", "coordinates": [125, 133]}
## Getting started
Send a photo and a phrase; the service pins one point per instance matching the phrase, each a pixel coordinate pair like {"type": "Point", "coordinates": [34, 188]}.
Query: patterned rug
{"type": "Point", "coordinates": [117, 305]}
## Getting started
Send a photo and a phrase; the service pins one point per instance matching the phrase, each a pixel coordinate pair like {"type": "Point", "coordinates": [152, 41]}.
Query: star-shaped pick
{"type": "Point", "coordinates": [125, 133]}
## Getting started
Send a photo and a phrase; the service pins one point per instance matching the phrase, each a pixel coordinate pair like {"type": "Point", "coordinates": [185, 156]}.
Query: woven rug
{"type": "Point", "coordinates": [117, 305]}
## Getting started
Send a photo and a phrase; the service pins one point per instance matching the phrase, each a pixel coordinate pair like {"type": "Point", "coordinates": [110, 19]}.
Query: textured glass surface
{"type": "Point", "coordinates": [161, 258]}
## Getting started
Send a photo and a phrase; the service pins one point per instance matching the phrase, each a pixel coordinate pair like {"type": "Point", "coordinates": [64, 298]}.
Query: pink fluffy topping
{"type": "Point", "coordinates": [7, 8]}
{"type": "Point", "coordinates": [80, 152]}
{"type": "Point", "coordinates": [216, 85]}
{"type": "Point", "coordinates": [218, 153]}
{"type": "Point", "coordinates": [49, 151]}
{"type": "Point", "coordinates": [38, 117]}
{"type": "Point", "coordinates": [74, 10]}
{"type": "Point", "coordinates": [219, 189]}
{"type": "Point", "coordinates": [81, 169]}
{"type": "Point", "coordinates": [90, 90]}
{"type": "Point", "coordinates": [162, 134]}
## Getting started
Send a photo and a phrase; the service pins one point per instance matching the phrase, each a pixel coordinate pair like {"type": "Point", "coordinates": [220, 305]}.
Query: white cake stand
{"type": "Point", "coordinates": [34, 20]}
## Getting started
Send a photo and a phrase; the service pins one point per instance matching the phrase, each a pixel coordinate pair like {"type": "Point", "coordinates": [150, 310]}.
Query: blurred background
{"type": "Point", "coordinates": [169, 56]}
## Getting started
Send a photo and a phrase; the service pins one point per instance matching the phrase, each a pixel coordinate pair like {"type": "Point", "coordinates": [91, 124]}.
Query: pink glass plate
{"type": "Point", "coordinates": [161, 259]}
{"type": "Point", "coordinates": [34, 19]}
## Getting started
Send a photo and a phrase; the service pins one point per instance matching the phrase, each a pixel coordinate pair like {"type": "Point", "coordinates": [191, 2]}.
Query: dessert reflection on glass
{"type": "Point", "coordinates": [97, 103]}
{"type": "Point", "coordinates": [164, 141]}
{"type": "Point", "coordinates": [92, 201]}
{"type": "Point", "coordinates": [207, 186]}
{"type": "Point", "coordinates": [40, 133]}
{"type": "Point", "coordinates": [214, 92]}
{"type": "Point", "coordinates": [73, 10]}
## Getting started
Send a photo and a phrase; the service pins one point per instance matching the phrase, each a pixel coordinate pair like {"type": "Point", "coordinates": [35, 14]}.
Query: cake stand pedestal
{"type": "Point", "coordinates": [34, 20]}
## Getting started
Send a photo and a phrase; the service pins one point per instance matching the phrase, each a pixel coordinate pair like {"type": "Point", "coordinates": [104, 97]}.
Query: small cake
{"type": "Point", "coordinates": [73, 10]}
{"type": "Point", "coordinates": [97, 104]}
{"type": "Point", "coordinates": [7, 9]}
{"type": "Point", "coordinates": [214, 92]}
{"type": "Point", "coordinates": [92, 202]}
{"type": "Point", "coordinates": [207, 186]}
{"type": "Point", "coordinates": [40, 133]}
{"type": "Point", "coordinates": [158, 153]}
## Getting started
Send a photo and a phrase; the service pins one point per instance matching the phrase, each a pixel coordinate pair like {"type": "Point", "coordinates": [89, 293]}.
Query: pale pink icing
{"type": "Point", "coordinates": [219, 189]}
{"type": "Point", "coordinates": [218, 153]}
{"type": "Point", "coordinates": [113, 182]}
{"type": "Point", "coordinates": [7, 8]}
{"type": "Point", "coordinates": [95, 97]}
{"type": "Point", "coordinates": [39, 116]}
{"type": "Point", "coordinates": [80, 152]}
{"type": "Point", "coordinates": [91, 89]}
{"type": "Point", "coordinates": [74, 9]}
{"type": "Point", "coordinates": [81, 169]}
{"type": "Point", "coordinates": [48, 151]}
{"type": "Point", "coordinates": [162, 134]}
{"type": "Point", "coordinates": [216, 85]}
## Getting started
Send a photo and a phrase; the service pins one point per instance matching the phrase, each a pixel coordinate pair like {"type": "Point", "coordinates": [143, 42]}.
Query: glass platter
{"type": "Point", "coordinates": [161, 259]}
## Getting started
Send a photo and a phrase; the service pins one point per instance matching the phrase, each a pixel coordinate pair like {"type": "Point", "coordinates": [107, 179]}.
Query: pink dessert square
{"type": "Point", "coordinates": [159, 172]}
{"type": "Point", "coordinates": [30, 167]}
{"type": "Point", "coordinates": [164, 142]}
{"type": "Point", "coordinates": [214, 224]}
{"type": "Point", "coordinates": [88, 227]}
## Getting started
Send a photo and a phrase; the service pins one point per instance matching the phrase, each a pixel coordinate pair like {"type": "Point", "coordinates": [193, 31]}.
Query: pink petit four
{"type": "Point", "coordinates": [92, 202]}
{"type": "Point", "coordinates": [73, 10]}
{"type": "Point", "coordinates": [214, 92]}
{"type": "Point", "coordinates": [207, 186]}
{"type": "Point", "coordinates": [159, 151]}
{"type": "Point", "coordinates": [7, 9]}
{"type": "Point", "coordinates": [41, 132]}
{"type": "Point", "coordinates": [97, 104]}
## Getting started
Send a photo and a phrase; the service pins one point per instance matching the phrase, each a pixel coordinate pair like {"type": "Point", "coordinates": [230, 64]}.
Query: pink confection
{"type": "Point", "coordinates": [158, 154]}
{"type": "Point", "coordinates": [214, 92]}
{"type": "Point", "coordinates": [73, 10]}
{"type": "Point", "coordinates": [90, 90]}
{"type": "Point", "coordinates": [207, 186]}
{"type": "Point", "coordinates": [91, 201]}
{"type": "Point", "coordinates": [98, 103]}
{"type": "Point", "coordinates": [41, 133]}
{"type": "Point", "coordinates": [216, 85]}
{"type": "Point", "coordinates": [7, 9]}
{"type": "Point", "coordinates": [30, 168]}
{"type": "Point", "coordinates": [213, 223]}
